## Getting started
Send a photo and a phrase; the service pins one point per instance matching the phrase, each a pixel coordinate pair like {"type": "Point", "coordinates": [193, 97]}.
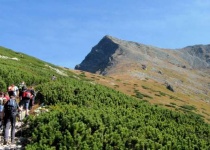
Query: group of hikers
{"type": "Point", "coordinates": [12, 103]}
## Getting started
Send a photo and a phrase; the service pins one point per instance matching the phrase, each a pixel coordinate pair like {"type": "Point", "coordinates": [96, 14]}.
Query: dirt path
{"type": "Point", "coordinates": [19, 140]}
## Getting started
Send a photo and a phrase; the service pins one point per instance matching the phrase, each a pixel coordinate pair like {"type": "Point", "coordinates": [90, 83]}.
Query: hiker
{"type": "Point", "coordinates": [26, 96]}
{"type": "Point", "coordinates": [16, 91]}
{"type": "Point", "coordinates": [10, 90]}
{"type": "Point", "coordinates": [10, 112]}
{"type": "Point", "coordinates": [20, 87]}
{"type": "Point", "coordinates": [13, 90]}
{"type": "Point", "coordinates": [53, 77]}
{"type": "Point", "coordinates": [6, 95]}
{"type": "Point", "coordinates": [33, 93]}
{"type": "Point", "coordinates": [2, 102]}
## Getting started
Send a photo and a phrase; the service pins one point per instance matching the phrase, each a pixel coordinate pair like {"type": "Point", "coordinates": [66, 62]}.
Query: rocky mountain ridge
{"type": "Point", "coordinates": [186, 69]}
{"type": "Point", "coordinates": [198, 56]}
{"type": "Point", "coordinates": [110, 50]}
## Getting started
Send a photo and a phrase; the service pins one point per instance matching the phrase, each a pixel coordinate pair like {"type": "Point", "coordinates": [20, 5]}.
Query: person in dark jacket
{"type": "Point", "coordinates": [10, 112]}
{"type": "Point", "coordinates": [33, 95]}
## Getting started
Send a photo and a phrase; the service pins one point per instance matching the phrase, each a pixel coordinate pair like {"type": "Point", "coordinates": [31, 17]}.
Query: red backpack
{"type": "Point", "coordinates": [27, 94]}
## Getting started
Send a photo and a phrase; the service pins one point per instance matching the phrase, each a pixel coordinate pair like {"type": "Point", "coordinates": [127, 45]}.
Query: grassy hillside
{"type": "Point", "coordinates": [16, 67]}
{"type": "Point", "coordinates": [154, 92]}
{"type": "Point", "coordinates": [85, 115]}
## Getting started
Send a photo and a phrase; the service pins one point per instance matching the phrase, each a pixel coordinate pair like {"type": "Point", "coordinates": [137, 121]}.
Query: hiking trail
{"type": "Point", "coordinates": [20, 140]}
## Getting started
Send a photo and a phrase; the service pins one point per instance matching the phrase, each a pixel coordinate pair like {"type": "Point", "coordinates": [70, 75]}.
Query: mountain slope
{"type": "Point", "coordinates": [198, 56]}
{"type": "Point", "coordinates": [16, 66]}
{"type": "Point", "coordinates": [110, 51]}
{"type": "Point", "coordinates": [85, 115]}
{"type": "Point", "coordinates": [187, 69]}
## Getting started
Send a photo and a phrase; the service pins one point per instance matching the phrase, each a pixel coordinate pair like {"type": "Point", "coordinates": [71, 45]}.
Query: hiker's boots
{"type": "Point", "coordinates": [6, 142]}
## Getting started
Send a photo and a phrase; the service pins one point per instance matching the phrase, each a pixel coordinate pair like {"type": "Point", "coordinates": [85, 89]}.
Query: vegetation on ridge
{"type": "Point", "coordinates": [85, 115]}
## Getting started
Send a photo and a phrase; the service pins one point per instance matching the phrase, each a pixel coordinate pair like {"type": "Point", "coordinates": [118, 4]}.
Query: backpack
{"type": "Point", "coordinates": [11, 107]}
{"type": "Point", "coordinates": [27, 94]}
{"type": "Point", "coordinates": [11, 93]}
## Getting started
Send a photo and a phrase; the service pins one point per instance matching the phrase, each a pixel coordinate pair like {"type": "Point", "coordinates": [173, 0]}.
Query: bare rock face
{"type": "Point", "coordinates": [110, 52]}
{"type": "Point", "coordinates": [100, 57]}
{"type": "Point", "coordinates": [198, 56]}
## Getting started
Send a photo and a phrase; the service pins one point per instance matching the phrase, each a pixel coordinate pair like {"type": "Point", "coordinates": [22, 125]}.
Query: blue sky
{"type": "Point", "coordinates": [63, 32]}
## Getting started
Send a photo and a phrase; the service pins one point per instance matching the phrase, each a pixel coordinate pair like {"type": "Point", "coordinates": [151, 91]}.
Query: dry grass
{"type": "Point", "coordinates": [157, 92]}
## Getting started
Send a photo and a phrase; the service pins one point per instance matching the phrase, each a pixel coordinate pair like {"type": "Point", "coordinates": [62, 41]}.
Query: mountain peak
{"type": "Point", "coordinates": [110, 37]}
{"type": "Point", "coordinates": [111, 51]}
{"type": "Point", "coordinates": [107, 38]}
{"type": "Point", "coordinates": [100, 56]}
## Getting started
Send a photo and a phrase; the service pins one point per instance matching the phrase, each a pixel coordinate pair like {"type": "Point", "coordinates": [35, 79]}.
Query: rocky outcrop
{"type": "Point", "coordinates": [169, 87]}
{"type": "Point", "coordinates": [198, 56]}
{"type": "Point", "coordinates": [100, 57]}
